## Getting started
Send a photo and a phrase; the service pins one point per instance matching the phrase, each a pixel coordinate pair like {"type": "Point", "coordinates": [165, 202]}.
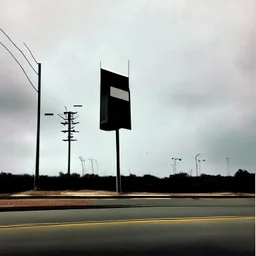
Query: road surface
{"type": "Point", "coordinates": [188, 227]}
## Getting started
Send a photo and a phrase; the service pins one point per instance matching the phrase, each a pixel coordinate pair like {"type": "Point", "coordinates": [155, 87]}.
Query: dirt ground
{"type": "Point", "coordinates": [110, 193]}
{"type": "Point", "coordinates": [62, 201]}
{"type": "Point", "coordinates": [42, 202]}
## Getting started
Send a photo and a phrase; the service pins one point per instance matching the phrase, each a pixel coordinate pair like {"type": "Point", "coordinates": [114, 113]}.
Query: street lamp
{"type": "Point", "coordinates": [91, 160]}
{"type": "Point", "coordinates": [38, 90]}
{"type": "Point", "coordinates": [197, 164]}
{"type": "Point", "coordinates": [83, 165]}
{"type": "Point", "coordinates": [227, 160]}
{"type": "Point", "coordinates": [97, 164]}
{"type": "Point", "coordinates": [174, 164]}
{"type": "Point", "coordinates": [200, 161]}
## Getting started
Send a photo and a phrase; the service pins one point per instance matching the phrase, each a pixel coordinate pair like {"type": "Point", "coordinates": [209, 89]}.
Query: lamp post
{"type": "Point", "coordinates": [38, 90]}
{"type": "Point", "coordinates": [173, 170]}
{"type": "Point", "coordinates": [97, 164]}
{"type": "Point", "coordinates": [91, 160]}
{"type": "Point", "coordinates": [227, 160]}
{"type": "Point", "coordinates": [197, 164]}
{"type": "Point", "coordinates": [83, 165]}
{"type": "Point", "coordinates": [174, 164]}
{"type": "Point", "coordinates": [200, 161]}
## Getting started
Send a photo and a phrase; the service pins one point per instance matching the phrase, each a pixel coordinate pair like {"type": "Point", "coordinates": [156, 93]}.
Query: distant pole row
{"type": "Point", "coordinates": [92, 161]}
{"type": "Point", "coordinates": [198, 165]}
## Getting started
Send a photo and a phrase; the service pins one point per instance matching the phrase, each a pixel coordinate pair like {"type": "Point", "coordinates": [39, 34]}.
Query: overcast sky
{"type": "Point", "coordinates": [192, 82]}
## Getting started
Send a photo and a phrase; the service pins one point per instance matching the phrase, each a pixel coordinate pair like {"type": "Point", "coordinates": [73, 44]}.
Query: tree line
{"type": "Point", "coordinates": [242, 181]}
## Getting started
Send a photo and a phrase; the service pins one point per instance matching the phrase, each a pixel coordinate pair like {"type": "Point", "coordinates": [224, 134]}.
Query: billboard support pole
{"type": "Point", "coordinates": [118, 176]}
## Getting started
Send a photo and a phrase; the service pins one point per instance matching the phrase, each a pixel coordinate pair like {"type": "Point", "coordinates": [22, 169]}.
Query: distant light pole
{"type": "Point", "coordinates": [174, 163]}
{"type": "Point", "coordinates": [200, 161]}
{"type": "Point", "coordinates": [227, 160]}
{"type": "Point", "coordinates": [97, 164]}
{"type": "Point", "coordinates": [173, 170]}
{"type": "Point", "coordinates": [38, 90]}
{"type": "Point", "coordinates": [91, 160]}
{"type": "Point", "coordinates": [197, 164]}
{"type": "Point", "coordinates": [83, 166]}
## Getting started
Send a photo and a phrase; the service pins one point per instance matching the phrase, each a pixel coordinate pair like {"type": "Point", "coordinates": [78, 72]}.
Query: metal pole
{"type": "Point", "coordinates": [92, 167]}
{"type": "Point", "coordinates": [118, 177]}
{"type": "Point", "coordinates": [69, 141]}
{"type": "Point", "coordinates": [83, 163]}
{"type": "Point", "coordinates": [81, 159]}
{"type": "Point", "coordinates": [36, 181]}
{"type": "Point", "coordinates": [196, 164]}
{"type": "Point", "coordinates": [97, 166]}
{"type": "Point", "coordinates": [227, 159]}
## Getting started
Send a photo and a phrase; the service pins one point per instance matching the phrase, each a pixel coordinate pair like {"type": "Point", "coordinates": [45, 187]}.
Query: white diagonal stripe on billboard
{"type": "Point", "coordinates": [118, 93]}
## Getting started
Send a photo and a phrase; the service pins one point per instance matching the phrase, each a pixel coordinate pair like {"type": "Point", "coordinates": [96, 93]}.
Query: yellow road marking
{"type": "Point", "coordinates": [131, 221]}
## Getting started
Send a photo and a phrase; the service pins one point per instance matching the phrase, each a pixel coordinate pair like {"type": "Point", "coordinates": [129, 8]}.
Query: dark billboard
{"type": "Point", "coordinates": [115, 101]}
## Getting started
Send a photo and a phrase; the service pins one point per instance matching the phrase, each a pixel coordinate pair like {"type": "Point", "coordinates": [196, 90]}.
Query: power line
{"type": "Point", "coordinates": [19, 50]}
{"type": "Point", "coordinates": [19, 65]}
{"type": "Point", "coordinates": [31, 53]}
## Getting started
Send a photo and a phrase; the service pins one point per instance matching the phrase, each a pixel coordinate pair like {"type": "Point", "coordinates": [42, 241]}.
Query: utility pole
{"type": "Point", "coordinates": [36, 185]}
{"type": "Point", "coordinates": [227, 160]}
{"type": "Point", "coordinates": [69, 121]}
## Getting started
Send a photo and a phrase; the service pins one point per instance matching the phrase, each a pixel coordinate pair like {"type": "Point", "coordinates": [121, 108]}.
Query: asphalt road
{"type": "Point", "coordinates": [188, 227]}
